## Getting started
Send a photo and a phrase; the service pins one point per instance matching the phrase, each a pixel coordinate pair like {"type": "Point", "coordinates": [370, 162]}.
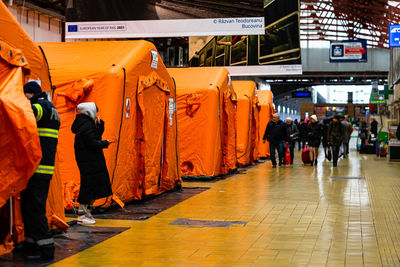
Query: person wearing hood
{"type": "Point", "coordinates": [95, 181]}
{"type": "Point", "coordinates": [39, 243]}
{"type": "Point", "coordinates": [314, 133]}
{"type": "Point", "coordinates": [336, 132]}
{"type": "Point", "coordinates": [275, 134]}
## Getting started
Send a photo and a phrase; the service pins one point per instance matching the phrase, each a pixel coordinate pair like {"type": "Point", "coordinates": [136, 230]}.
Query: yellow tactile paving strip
{"type": "Point", "coordinates": [297, 216]}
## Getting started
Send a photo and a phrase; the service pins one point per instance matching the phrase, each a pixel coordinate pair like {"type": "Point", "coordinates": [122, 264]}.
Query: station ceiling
{"type": "Point", "coordinates": [349, 19]}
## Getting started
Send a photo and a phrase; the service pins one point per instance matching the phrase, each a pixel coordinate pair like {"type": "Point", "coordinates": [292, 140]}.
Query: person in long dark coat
{"type": "Point", "coordinates": [302, 134]}
{"type": "Point", "coordinates": [314, 135]}
{"type": "Point", "coordinates": [336, 132]}
{"type": "Point", "coordinates": [95, 180]}
{"type": "Point", "coordinates": [325, 141]}
{"type": "Point", "coordinates": [292, 135]}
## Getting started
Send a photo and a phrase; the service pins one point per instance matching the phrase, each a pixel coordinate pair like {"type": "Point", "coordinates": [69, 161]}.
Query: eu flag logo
{"type": "Point", "coordinates": [72, 28]}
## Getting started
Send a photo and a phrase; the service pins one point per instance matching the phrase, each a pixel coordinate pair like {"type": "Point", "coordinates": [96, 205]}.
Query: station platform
{"type": "Point", "coordinates": [288, 216]}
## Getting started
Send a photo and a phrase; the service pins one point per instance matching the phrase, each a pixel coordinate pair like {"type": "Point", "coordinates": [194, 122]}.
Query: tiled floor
{"type": "Point", "coordinates": [296, 216]}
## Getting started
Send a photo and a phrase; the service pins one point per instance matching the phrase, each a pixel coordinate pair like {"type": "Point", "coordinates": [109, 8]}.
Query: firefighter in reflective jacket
{"type": "Point", "coordinates": [39, 243]}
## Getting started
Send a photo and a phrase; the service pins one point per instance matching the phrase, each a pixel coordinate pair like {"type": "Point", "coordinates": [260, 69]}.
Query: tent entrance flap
{"type": "Point", "coordinates": [152, 100]}
{"type": "Point", "coordinates": [152, 103]}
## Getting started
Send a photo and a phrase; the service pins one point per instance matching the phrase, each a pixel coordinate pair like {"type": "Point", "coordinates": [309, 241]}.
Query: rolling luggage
{"type": "Point", "coordinates": [287, 156]}
{"type": "Point", "coordinates": [305, 155]}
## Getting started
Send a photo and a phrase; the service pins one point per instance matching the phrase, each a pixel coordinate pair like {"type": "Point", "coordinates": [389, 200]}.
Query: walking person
{"type": "Point", "coordinates": [374, 127]}
{"type": "Point", "coordinates": [275, 134]}
{"type": "Point", "coordinates": [95, 181]}
{"type": "Point", "coordinates": [292, 135]}
{"type": "Point", "coordinates": [363, 133]}
{"type": "Point", "coordinates": [350, 132]}
{"type": "Point", "coordinates": [346, 136]}
{"type": "Point", "coordinates": [39, 243]}
{"type": "Point", "coordinates": [325, 141]}
{"type": "Point", "coordinates": [303, 134]}
{"type": "Point", "coordinates": [314, 133]}
{"type": "Point", "coordinates": [335, 137]}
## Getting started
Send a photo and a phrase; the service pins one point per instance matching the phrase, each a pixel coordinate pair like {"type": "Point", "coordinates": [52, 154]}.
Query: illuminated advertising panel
{"type": "Point", "coordinates": [162, 18]}
{"type": "Point", "coordinates": [276, 52]}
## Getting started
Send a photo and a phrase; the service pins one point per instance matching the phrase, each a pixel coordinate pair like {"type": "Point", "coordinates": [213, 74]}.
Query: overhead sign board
{"type": "Point", "coordinates": [394, 35]}
{"type": "Point", "coordinates": [348, 51]}
{"type": "Point", "coordinates": [377, 98]}
{"type": "Point", "coordinates": [301, 94]}
{"type": "Point", "coordinates": [162, 18]}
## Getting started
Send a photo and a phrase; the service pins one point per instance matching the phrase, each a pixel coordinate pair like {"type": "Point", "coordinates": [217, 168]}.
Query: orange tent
{"type": "Point", "coordinates": [12, 33]}
{"type": "Point", "coordinates": [136, 99]}
{"type": "Point", "coordinates": [247, 122]}
{"type": "Point", "coordinates": [206, 121]}
{"type": "Point", "coordinates": [20, 153]}
{"type": "Point", "coordinates": [265, 99]}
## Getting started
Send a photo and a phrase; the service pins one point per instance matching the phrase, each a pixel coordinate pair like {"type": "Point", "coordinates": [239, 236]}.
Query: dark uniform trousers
{"type": "Point", "coordinates": [33, 198]}
{"type": "Point", "coordinates": [34, 210]}
{"type": "Point", "coordinates": [335, 152]}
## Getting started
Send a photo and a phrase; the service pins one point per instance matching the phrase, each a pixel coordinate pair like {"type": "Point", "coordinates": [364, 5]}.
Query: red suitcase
{"type": "Point", "coordinates": [287, 156]}
{"type": "Point", "coordinates": [306, 157]}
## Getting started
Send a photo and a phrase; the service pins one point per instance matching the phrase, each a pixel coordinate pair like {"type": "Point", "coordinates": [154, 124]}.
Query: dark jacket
{"type": "Point", "coordinates": [303, 131]}
{"type": "Point", "coordinates": [95, 181]}
{"type": "Point", "coordinates": [398, 132]}
{"type": "Point", "coordinates": [325, 128]}
{"type": "Point", "coordinates": [335, 133]}
{"type": "Point", "coordinates": [374, 128]}
{"type": "Point", "coordinates": [292, 130]}
{"type": "Point", "coordinates": [275, 132]}
{"type": "Point", "coordinates": [363, 130]}
{"type": "Point", "coordinates": [48, 124]}
{"type": "Point", "coordinates": [314, 134]}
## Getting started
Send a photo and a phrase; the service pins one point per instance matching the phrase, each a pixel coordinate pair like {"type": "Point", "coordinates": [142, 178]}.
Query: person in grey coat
{"type": "Point", "coordinates": [346, 136]}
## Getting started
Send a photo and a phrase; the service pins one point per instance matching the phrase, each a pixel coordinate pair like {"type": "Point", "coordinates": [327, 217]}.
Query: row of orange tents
{"type": "Point", "coordinates": [164, 123]}
{"type": "Point", "coordinates": [220, 122]}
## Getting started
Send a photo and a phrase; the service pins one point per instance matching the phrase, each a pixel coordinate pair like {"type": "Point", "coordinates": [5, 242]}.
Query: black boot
{"type": "Point", "coordinates": [316, 162]}
{"type": "Point", "coordinates": [24, 247]}
{"type": "Point", "coordinates": [45, 252]}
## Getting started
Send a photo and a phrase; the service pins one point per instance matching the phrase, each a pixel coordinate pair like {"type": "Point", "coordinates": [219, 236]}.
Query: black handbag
{"type": "Point", "coordinates": [329, 156]}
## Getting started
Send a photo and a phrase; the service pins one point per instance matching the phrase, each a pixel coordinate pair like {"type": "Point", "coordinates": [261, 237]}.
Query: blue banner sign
{"type": "Point", "coordinates": [394, 35]}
